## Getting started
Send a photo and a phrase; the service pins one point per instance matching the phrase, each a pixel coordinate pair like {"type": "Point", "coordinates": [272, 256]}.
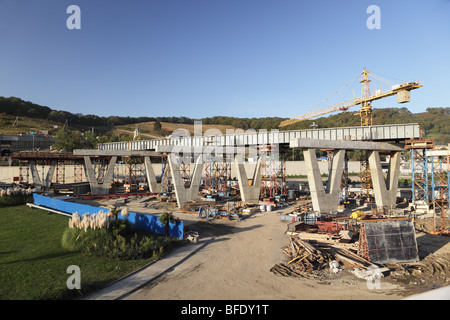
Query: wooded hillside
{"type": "Point", "coordinates": [435, 122]}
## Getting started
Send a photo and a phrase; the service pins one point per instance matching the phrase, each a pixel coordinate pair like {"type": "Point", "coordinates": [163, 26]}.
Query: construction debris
{"type": "Point", "coordinates": [305, 256]}
{"type": "Point", "coordinates": [193, 236]}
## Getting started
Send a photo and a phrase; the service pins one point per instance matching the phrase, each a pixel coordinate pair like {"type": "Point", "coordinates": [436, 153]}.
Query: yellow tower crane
{"type": "Point", "coordinates": [402, 91]}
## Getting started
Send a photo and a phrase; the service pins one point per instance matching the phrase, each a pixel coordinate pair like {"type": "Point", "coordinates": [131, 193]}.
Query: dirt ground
{"type": "Point", "coordinates": [236, 261]}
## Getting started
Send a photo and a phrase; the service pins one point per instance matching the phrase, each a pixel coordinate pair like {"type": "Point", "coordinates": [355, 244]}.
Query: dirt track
{"type": "Point", "coordinates": [236, 265]}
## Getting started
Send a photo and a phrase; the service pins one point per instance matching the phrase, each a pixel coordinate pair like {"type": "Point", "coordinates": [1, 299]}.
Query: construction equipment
{"type": "Point", "coordinates": [358, 215]}
{"type": "Point", "coordinates": [401, 90]}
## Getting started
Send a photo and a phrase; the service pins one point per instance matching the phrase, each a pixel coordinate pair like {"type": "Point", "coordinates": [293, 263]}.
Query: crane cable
{"type": "Point", "coordinates": [336, 91]}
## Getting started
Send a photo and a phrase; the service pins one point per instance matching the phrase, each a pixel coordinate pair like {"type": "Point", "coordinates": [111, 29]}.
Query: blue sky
{"type": "Point", "coordinates": [202, 58]}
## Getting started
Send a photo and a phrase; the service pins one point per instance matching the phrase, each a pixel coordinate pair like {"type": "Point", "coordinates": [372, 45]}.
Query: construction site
{"type": "Point", "coordinates": [341, 230]}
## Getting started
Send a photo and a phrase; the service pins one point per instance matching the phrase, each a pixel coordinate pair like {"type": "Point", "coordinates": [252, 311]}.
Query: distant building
{"type": "Point", "coordinates": [24, 142]}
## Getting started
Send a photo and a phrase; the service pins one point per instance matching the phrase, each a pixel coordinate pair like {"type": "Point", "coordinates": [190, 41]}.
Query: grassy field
{"type": "Point", "coordinates": [33, 264]}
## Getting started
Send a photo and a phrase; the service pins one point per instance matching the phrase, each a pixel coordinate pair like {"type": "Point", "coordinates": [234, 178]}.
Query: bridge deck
{"type": "Point", "coordinates": [392, 132]}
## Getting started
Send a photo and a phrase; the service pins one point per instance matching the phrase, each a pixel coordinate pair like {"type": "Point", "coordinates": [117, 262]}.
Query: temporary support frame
{"type": "Point", "coordinates": [419, 168]}
{"type": "Point", "coordinates": [24, 173]}
{"type": "Point", "coordinates": [440, 186]}
{"type": "Point", "coordinates": [273, 172]}
{"type": "Point", "coordinates": [218, 174]}
{"type": "Point", "coordinates": [344, 184]}
{"type": "Point", "coordinates": [166, 179]}
{"type": "Point", "coordinates": [365, 176]}
{"type": "Point", "coordinates": [60, 172]}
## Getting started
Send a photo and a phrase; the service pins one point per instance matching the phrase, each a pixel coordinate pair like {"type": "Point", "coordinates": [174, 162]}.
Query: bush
{"type": "Point", "coordinates": [119, 241]}
{"type": "Point", "coordinates": [70, 239]}
{"type": "Point", "coordinates": [15, 200]}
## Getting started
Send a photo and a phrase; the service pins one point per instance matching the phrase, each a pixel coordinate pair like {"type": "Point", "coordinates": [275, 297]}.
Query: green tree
{"type": "Point", "coordinates": [68, 140]}
{"type": "Point", "coordinates": [157, 126]}
{"type": "Point", "coordinates": [166, 218]}
{"type": "Point", "coordinates": [90, 140]}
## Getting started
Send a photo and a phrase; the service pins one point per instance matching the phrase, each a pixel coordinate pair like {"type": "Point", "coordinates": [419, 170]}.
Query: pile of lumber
{"type": "Point", "coordinates": [303, 208]}
{"type": "Point", "coordinates": [351, 260]}
{"type": "Point", "coordinates": [284, 270]}
{"type": "Point", "coordinates": [304, 256]}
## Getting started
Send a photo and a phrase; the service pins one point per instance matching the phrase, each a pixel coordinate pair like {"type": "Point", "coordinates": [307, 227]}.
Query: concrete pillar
{"type": "Point", "coordinates": [182, 193]}
{"type": "Point", "coordinates": [385, 190]}
{"type": "Point", "coordinates": [49, 175]}
{"type": "Point", "coordinates": [324, 200]}
{"type": "Point", "coordinates": [96, 187]}
{"type": "Point", "coordinates": [37, 179]}
{"type": "Point", "coordinates": [153, 185]}
{"type": "Point", "coordinates": [35, 174]}
{"type": "Point", "coordinates": [249, 193]}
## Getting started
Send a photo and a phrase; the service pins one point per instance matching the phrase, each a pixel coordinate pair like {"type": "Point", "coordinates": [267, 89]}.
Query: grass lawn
{"type": "Point", "coordinates": [33, 264]}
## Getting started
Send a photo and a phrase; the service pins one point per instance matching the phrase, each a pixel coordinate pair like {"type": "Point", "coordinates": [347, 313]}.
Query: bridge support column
{"type": "Point", "coordinates": [385, 190]}
{"type": "Point", "coordinates": [249, 193]}
{"type": "Point", "coordinates": [153, 185]}
{"type": "Point", "coordinates": [34, 173]}
{"type": "Point", "coordinates": [183, 193]}
{"type": "Point", "coordinates": [49, 175]}
{"type": "Point", "coordinates": [96, 187]}
{"type": "Point", "coordinates": [37, 179]}
{"type": "Point", "coordinates": [324, 200]}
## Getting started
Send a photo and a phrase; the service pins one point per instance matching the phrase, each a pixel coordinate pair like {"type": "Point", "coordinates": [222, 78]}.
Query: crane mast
{"type": "Point", "coordinates": [366, 104]}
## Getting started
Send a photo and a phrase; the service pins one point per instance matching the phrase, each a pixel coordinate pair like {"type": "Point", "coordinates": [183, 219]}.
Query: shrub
{"type": "Point", "coordinates": [15, 199]}
{"type": "Point", "coordinates": [118, 241]}
{"type": "Point", "coordinates": [70, 240]}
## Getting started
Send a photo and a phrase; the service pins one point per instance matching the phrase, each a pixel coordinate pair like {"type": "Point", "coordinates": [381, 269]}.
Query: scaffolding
{"type": "Point", "coordinates": [430, 170]}
{"type": "Point", "coordinates": [419, 169]}
{"type": "Point", "coordinates": [166, 180]}
{"type": "Point", "coordinates": [365, 176]}
{"type": "Point", "coordinates": [24, 172]}
{"type": "Point", "coordinates": [218, 175]}
{"type": "Point", "coordinates": [47, 159]}
{"type": "Point", "coordinates": [343, 194]}
{"type": "Point", "coordinates": [100, 165]}
{"type": "Point", "coordinates": [185, 172]}
{"type": "Point", "coordinates": [440, 186]}
{"type": "Point", "coordinates": [273, 173]}
{"type": "Point", "coordinates": [60, 172]}
{"type": "Point", "coordinates": [135, 177]}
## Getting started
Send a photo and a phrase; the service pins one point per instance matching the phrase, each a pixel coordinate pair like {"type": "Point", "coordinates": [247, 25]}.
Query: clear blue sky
{"type": "Point", "coordinates": [201, 58]}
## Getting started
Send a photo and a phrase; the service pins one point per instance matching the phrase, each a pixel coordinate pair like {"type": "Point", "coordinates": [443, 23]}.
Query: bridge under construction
{"type": "Point", "coordinates": [187, 161]}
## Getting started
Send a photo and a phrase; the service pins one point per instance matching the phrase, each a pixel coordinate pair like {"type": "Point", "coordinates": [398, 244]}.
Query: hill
{"type": "Point", "coordinates": [32, 117]}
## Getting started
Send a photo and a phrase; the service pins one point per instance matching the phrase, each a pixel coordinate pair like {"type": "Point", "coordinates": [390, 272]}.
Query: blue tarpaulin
{"type": "Point", "coordinates": [138, 220]}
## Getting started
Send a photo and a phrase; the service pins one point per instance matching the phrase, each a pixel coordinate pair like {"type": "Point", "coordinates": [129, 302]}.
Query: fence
{"type": "Point", "coordinates": [138, 220]}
